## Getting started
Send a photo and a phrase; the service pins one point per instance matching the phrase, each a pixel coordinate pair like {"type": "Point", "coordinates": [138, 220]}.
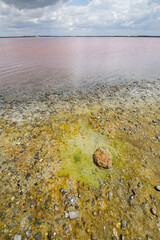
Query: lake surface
{"type": "Point", "coordinates": [77, 61]}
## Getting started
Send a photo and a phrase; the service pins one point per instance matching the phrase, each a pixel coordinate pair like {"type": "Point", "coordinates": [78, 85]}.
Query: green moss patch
{"type": "Point", "coordinates": [77, 156]}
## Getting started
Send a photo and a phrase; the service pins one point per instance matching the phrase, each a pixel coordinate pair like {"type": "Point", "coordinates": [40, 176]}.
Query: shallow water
{"type": "Point", "coordinates": [77, 61]}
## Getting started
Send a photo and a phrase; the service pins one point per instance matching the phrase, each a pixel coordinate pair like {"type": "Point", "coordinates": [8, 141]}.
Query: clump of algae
{"type": "Point", "coordinates": [77, 155]}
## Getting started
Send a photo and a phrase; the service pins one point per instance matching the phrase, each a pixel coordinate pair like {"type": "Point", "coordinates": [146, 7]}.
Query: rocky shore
{"type": "Point", "coordinates": [50, 186]}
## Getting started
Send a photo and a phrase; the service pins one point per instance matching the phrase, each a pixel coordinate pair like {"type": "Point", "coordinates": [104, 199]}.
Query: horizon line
{"type": "Point", "coordinates": [39, 36]}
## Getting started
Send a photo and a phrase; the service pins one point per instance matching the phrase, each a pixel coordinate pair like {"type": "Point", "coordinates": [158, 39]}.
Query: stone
{"type": "Point", "coordinates": [37, 223]}
{"type": "Point", "coordinates": [73, 215]}
{"type": "Point", "coordinates": [30, 218]}
{"type": "Point", "coordinates": [93, 236]}
{"type": "Point", "coordinates": [123, 224]}
{"type": "Point", "coordinates": [17, 237]}
{"type": "Point", "coordinates": [157, 188]}
{"type": "Point", "coordinates": [110, 195]}
{"type": "Point", "coordinates": [153, 211]}
{"type": "Point", "coordinates": [102, 157]}
{"type": "Point", "coordinates": [28, 233]}
{"type": "Point", "coordinates": [38, 236]}
{"type": "Point", "coordinates": [66, 215]}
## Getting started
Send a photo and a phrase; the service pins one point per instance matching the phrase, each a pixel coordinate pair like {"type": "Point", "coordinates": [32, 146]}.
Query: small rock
{"type": "Point", "coordinates": [38, 236]}
{"type": "Point", "coordinates": [94, 213]}
{"type": "Point", "coordinates": [134, 191]}
{"type": "Point", "coordinates": [139, 184]}
{"type": "Point", "coordinates": [153, 211]}
{"type": "Point", "coordinates": [17, 237]}
{"type": "Point", "coordinates": [102, 157]}
{"type": "Point", "coordinates": [157, 187]}
{"type": "Point", "coordinates": [56, 207]}
{"type": "Point", "coordinates": [124, 224]}
{"type": "Point", "coordinates": [30, 218]}
{"type": "Point", "coordinates": [28, 234]}
{"type": "Point", "coordinates": [148, 237]}
{"type": "Point", "coordinates": [99, 212]}
{"type": "Point", "coordinates": [110, 195]}
{"type": "Point", "coordinates": [12, 198]}
{"type": "Point", "coordinates": [37, 223]}
{"type": "Point", "coordinates": [66, 215]}
{"type": "Point", "coordinates": [93, 236]}
{"type": "Point", "coordinates": [73, 215]}
{"type": "Point", "coordinates": [121, 237]}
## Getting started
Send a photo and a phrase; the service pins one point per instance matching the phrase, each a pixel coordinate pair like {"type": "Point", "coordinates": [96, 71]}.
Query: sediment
{"type": "Point", "coordinates": [50, 186]}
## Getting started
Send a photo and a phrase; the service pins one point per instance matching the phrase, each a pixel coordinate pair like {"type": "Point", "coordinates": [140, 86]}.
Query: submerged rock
{"type": "Point", "coordinates": [102, 157]}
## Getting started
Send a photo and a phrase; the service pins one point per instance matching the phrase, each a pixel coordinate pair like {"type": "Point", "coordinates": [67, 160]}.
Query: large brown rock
{"type": "Point", "coordinates": [102, 157]}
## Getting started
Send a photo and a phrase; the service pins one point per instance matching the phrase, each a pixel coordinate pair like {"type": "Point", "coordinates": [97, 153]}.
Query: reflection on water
{"type": "Point", "coordinates": [77, 61]}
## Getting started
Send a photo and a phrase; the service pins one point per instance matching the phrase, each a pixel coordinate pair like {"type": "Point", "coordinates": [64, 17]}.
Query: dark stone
{"type": "Point", "coordinates": [37, 223]}
{"type": "Point", "coordinates": [30, 218]}
{"type": "Point", "coordinates": [38, 236]}
{"type": "Point", "coordinates": [28, 175]}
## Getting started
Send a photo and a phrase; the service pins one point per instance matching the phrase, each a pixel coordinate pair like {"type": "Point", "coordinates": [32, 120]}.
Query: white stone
{"type": "Point", "coordinates": [73, 215]}
{"type": "Point", "coordinates": [17, 237]}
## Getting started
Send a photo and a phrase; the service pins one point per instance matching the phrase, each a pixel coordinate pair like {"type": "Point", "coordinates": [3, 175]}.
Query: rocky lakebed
{"type": "Point", "coordinates": [51, 187]}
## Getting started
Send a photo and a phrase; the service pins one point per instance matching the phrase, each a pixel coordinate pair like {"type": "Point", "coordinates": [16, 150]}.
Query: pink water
{"type": "Point", "coordinates": [77, 61]}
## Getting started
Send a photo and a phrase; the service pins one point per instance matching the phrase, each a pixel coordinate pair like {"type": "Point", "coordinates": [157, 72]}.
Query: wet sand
{"type": "Point", "coordinates": [50, 186]}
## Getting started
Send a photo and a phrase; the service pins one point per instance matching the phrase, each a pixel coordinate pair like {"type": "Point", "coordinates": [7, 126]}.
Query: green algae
{"type": "Point", "coordinates": [77, 155]}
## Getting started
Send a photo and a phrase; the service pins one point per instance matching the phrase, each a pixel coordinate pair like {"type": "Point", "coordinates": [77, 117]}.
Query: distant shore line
{"type": "Point", "coordinates": [45, 36]}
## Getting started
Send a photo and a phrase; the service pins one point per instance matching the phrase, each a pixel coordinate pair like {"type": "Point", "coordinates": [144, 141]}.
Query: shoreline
{"type": "Point", "coordinates": [46, 194]}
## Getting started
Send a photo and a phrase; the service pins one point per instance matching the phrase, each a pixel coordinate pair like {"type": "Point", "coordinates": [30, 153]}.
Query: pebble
{"type": "Point", "coordinates": [93, 236]}
{"type": "Point", "coordinates": [121, 237]}
{"type": "Point", "coordinates": [30, 218]}
{"type": "Point", "coordinates": [153, 211]}
{"type": "Point", "coordinates": [37, 223]}
{"type": "Point", "coordinates": [148, 237]}
{"type": "Point", "coordinates": [94, 214]}
{"type": "Point", "coordinates": [66, 215]}
{"type": "Point", "coordinates": [73, 215]}
{"type": "Point", "coordinates": [17, 237]}
{"type": "Point", "coordinates": [123, 224]}
{"type": "Point", "coordinates": [139, 184]}
{"type": "Point", "coordinates": [12, 198]}
{"type": "Point", "coordinates": [38, 236]}
{"type": "Point", "coordinates": [157, 187]}
{"type": "Point", "coordinates": [134, 191]}
{"type": "Point", "coordinates": [110, 195]}
{"type": "Point", "coordinates": [56, 207]}
{"type": "Point", "coordinates": [28, 234]}
{"type": "Point", "coordinates": [99, 212]}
